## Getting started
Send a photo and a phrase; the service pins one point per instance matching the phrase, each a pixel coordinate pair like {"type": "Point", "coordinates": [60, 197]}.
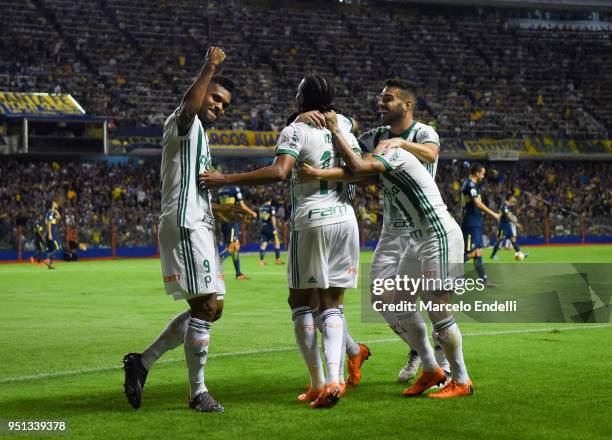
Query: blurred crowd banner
{"type": "Point", "coordinates": [216, 138]}
{"type": "Point", "coordinates": [16, 104]}
{"type": "Point", "coordinates": [130, 140]}
{"type": "Point", "coordinates": [242, 138]}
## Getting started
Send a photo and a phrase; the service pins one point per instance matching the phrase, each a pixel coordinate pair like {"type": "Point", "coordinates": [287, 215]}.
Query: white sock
{"type": "Point", "coordinates": [333, 335]}
{"type": "Point", "coordinates": [413, 330]}
{"type": "Point", "coordinates": [447, 333]}
{"type": "Point", "coordinates": [306, 338]}
{"type": "Point", "coordinates": [197, 337]}
{"type": "Point", "coordinates": [170, 338]}
{"type": "Point", "coordinates": [351, 347]}
{"type": "Point", "coordinates": [441, 357]}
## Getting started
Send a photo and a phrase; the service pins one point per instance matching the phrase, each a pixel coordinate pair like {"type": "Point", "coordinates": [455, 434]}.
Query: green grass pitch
{"type": "Point", "coordinates": [64, 332]}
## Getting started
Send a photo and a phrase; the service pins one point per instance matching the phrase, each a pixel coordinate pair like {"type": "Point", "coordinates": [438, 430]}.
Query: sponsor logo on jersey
{"type": "Point", "coordinates": [352, 270]}
{"type": "Point", "coordinates": [171, 278]}
{"type": "Point", "coordinates": [332, 211]}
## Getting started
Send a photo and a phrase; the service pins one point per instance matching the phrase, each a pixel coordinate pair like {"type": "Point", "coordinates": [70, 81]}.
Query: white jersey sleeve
{"type": "Point", "coordinates": [427, 135]}
{"type": "Point", "coordinates": [291, 140]}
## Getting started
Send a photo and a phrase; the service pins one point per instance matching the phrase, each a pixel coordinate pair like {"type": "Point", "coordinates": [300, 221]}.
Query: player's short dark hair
{"type": "Point", "coordinates": [476, 168]}
{"type": "Point", "coordinates": [224, 82]}
{"type": "Point", "coordinates": [406, 86]}
{"type": "Point", "coordinates": [318, 93]}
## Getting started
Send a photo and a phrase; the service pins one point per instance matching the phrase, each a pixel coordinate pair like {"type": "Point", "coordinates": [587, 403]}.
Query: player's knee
{"type": "Point", "coordinates": [205, 308]}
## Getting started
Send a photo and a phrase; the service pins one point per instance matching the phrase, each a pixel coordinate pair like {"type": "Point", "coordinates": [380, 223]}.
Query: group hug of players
{"type": "Point", "coordinates": [322, 160]}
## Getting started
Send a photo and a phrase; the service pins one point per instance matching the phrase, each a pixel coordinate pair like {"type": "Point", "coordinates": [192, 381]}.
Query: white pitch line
{"type": "Point", "coordinates": [80, 371]}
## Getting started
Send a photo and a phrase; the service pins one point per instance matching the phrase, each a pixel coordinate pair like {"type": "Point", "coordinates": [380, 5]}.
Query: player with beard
{"type": "Point", "coordinates": [399, 129]}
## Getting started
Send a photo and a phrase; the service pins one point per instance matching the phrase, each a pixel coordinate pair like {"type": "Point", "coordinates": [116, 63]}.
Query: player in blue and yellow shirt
{"type": "Point", "coordinates": [40, 242]}
{"type": "Point", "coordinates": [231, 195]}
{"type": "Point", "coordinates": [267, 221]}
{"type": "Point", "coordinates": [472, 223]}
{"type": "Point", "coordinates": [52, 217]}
{"type": "Point", "coordinates": [507, 228]}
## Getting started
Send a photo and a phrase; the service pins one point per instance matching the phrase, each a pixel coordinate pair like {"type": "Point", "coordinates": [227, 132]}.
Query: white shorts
{"type": "Point", "coordinates": [190, 262]}
{"type": "Point", "coordinates": [391, 245]}
{"type": "Point", "coordinates": [324, 256]}
{"type": "Point", "coordinates": [439, 258]}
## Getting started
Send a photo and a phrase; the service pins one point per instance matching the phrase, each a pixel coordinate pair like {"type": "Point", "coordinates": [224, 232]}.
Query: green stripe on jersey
{"type": "Point", "coordinates": [383, 161]}
{"type": "Point", "coordinates": [289, 152]}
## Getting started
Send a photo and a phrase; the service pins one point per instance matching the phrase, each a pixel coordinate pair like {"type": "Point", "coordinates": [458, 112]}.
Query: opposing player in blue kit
{"type": "Point", "coordinates": [269, 232]}
{"type": "Point", "coordinates": [472, 223]}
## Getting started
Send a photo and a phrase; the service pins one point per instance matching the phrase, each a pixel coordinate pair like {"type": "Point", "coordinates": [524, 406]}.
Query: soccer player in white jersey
{"type": "Point", "coordinates": [190, 261]}
{"type": "Point", "coordinates": [436, 254]}
{"type": "Point", "coordinates": [324, 240]}
{"type": "Point", "coordinates": [396, 107]}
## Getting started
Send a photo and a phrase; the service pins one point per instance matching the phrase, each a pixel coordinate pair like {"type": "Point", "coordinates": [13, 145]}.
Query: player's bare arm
{"type": "Point", "coordinates": [277, 172]}
{"type": "Point", "coordinates": [227, 213]}
{"type": "Point", "coordinates": [248, 210]}
{"type": "Point", "coordinates": [427, 152]}
{"type": "Point", "coordinates": [359, 166]}
{"type": "Point", "coordinates": [194, 97]}
{"type": "Point", "coordinates": [484, 208]}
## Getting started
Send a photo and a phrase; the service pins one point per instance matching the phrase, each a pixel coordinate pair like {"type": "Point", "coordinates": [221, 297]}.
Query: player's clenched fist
{"type": "Point", "coordinates": [214, 56]}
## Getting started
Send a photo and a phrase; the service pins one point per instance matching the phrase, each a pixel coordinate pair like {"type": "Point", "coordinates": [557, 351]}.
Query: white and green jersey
{"type": "Point", "coordinates": [317, 203]}
{"type": "Point", "coordinates": [183, 159]}
{"type": "Point", "coordinates": [416, 132]}
{"type": "Point", "coordinates": [409, 187]}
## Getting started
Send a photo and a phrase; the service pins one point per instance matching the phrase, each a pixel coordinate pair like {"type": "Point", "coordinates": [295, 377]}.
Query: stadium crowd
{"type": "Point", "coordinates": [95, 196]}
{"type": "Point", "coordinates": [482, 75]}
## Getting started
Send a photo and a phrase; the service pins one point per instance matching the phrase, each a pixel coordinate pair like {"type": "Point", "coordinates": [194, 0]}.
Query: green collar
{"type": "Point", "coordinates": [406, 133]}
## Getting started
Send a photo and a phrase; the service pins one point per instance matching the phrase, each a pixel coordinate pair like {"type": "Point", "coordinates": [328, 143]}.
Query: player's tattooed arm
{"type": "Point", "coordinates": [358, 165]}
{"type": "Point", "coordinates": [194, 97]}
{"type": "Point", "coordinates": [277, 172]}
{"type": "Point", "coordinates": [308, 173]}
{"type": "Point", "coordinates": [227, 213]}
{"type": "Point", "coordinates": [427, 153]}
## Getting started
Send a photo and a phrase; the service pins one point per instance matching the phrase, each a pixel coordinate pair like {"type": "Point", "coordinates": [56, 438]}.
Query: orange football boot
{"type": "Point", "coordinates": [242, 277]}
{"type": "Point", "coordinates": [342, 387]}
{"type": "Point", "coordinates": [328, 397]}
{"type": "Point", "coordinates": [426, 380]}
{"type": "Point", "coordinates": [354, 365]}
{"type": "Point", "coordinates": [453, 389]}
{"type": "Point", "coordinates": [310, 394]}
{"type": "Point", "coordinates": [279, 262]}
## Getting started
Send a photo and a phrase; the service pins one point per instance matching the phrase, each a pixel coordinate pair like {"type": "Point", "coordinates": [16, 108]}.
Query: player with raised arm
{"type": "Point", "coordinates": [399, 129]}
{"type": "Point", "coordinates": [191, 267]}
{"type": "Point", "coordinates": [507, 229]}
{"type": "Point", "coordinates": [269, 231]}
{"type": "Point", "coordinates": [231, 195]}
{"type": "Point", "coordinates": [435, 254]}
{"type": "Point", "coordinates": [324, 240]}
{"type": "Point", "coordinates": [472, 223]}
